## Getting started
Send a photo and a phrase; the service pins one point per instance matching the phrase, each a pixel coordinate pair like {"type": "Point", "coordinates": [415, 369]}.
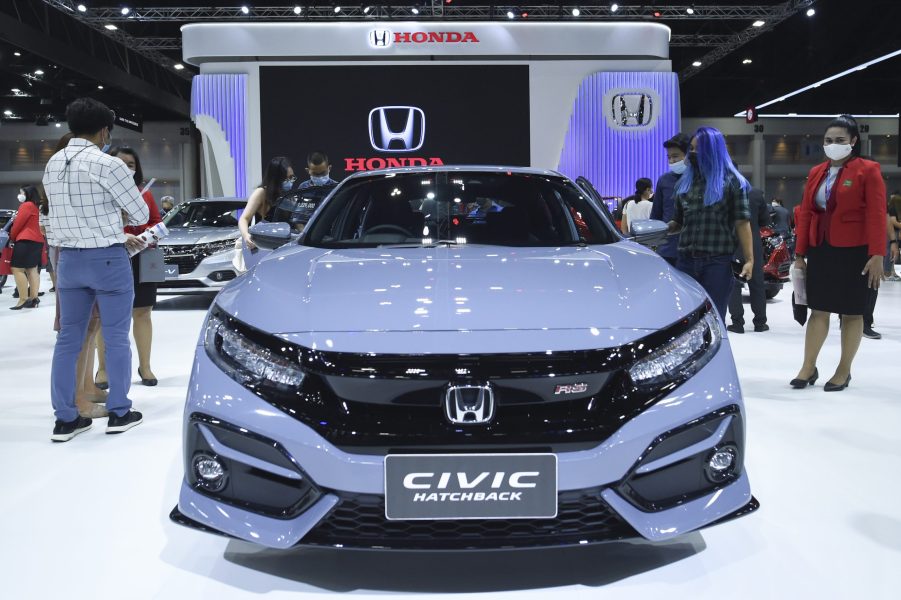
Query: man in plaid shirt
{"type": "Point", "coordinates": [90, 193]}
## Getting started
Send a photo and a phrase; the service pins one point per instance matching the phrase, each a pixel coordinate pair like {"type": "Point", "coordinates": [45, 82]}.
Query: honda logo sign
{"type": "Point", "coordinates": [631, 109]}
{"type": "Point", "coordinates": [396, 128]}
{"type": "Point", "coordinates": [381, 38]}
{"type": "Point", "coordinates": [469, 404]}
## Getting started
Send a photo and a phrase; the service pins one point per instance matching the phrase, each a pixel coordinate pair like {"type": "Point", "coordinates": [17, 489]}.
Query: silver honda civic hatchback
{"type": "Point", "coordinates": [461, 358]}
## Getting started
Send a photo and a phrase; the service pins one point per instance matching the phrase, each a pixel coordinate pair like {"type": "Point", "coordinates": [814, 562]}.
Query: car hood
{"type": "Point", "coordinates": [198, 235]}
{"type": "Point", "coordinates": [621, 286]}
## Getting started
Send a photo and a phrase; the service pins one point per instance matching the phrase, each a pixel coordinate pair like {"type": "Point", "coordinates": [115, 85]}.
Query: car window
{"type": "Point", "coordinates": [508, 209]}
{"type": "Point", "coordinates": [204, 214]}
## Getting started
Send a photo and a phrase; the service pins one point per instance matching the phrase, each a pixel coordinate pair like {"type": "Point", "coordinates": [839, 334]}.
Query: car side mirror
{"type": "Point", "coordinates": [270, 236]}
{"type": "Point", "coordinates": [649, 232]}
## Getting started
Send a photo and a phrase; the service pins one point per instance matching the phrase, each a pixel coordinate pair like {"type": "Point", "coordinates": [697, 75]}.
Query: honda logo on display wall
{"type": "Point", "coordinates": [631, 109]}
{"type": "Point", "coordinates": [396, 128]}
{"type": "Point", "coordinates": [380, 38]}
{"type": "Point", "coordinates": [385, 38]}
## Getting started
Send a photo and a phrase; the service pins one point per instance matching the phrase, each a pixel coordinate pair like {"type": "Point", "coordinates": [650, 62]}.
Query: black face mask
{"type": "Point", "coordinates": [693, 158]}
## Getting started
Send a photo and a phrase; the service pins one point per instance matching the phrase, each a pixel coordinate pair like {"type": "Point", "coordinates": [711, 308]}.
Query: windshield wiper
{"type": "Point", "coordinates": [432, 244]}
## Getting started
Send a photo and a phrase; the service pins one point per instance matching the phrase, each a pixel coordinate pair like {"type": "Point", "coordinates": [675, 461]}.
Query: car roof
{"type": "Point", "coordinates": [456, 168]}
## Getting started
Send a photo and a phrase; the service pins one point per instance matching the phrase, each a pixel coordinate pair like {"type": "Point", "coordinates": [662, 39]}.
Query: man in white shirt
{"type": "Point", "coordinates": [90, 193]}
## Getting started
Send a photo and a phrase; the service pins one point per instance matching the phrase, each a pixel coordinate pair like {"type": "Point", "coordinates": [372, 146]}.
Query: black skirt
{"type": "Point", "coordinates": [145, 293]}
{"type": "Point", "coordinates": [26, 254]}
{"type": "Point", "coordinates": [834, 282]}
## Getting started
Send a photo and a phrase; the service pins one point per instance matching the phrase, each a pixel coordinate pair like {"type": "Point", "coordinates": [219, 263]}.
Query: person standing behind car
{"type": "Point", "coordinates": [277, 178]}
{"type": "Point", "coordinates": [319, 169]}
{"type": "Point", "coordinates": [712, 216]}
{"type": "Point", "coordinates": [760, 216]}
{"type": "Point", "coordinates": [663, 206]}
{"type": "Point", "coordinates": [641, 208]}
{"type": "Point", "coordinates": [89, 193]}
{"type": "Point", "coordinates": [841, 233]}
{"type": "Point", "coordinates": [145, 293]}
{"type": "Point", "coordinates": [29, 244]}
{"type": "Point", "coordinates": [780, 217]}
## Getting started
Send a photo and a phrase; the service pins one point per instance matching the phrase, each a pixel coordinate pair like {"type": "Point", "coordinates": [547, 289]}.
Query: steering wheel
{"type": "Point", "coordinates": [388, 228]}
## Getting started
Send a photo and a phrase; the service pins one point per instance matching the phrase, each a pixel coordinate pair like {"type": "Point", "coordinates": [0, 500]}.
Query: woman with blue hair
{"type": "Point", "coordinates": [713, 215]}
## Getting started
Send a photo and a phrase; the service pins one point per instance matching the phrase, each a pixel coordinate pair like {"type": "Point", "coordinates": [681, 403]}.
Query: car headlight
{"type": "Point", "coordinates": [682, 357]}
{"type": "Point", "coordinates": [251, 364]}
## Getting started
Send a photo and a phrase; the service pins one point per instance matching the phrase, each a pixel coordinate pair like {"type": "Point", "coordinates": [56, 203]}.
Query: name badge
{"type": "Point", "coordinates": [846, 183]}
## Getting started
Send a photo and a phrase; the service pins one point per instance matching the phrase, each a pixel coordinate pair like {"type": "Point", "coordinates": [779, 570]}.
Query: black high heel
{"type": "Point", "coordinates": [34, 302]}
{"type": "Point", "coordinates": [800, 384]}
{"type": "Point", "coordinates": [145, 381]}
{"type": "Point", "coordinates": [26, 304]}
{"type": "Point", "coordinates": [832, 387]}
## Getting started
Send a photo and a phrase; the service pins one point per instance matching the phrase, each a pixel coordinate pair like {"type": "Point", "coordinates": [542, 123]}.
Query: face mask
{"type": "Point", "coordinates": [678, 167]}
{"type": "Point", "coordinates": [105, 148]}
{"type": "Point", "coordinates": [287, 184]}
{"type": "Point", "coordinates": [692, 159]}
{"type": "Point", "coordinates": [837, 151]}
{"type": "Point", "coordinates": [319, 180]}
{"type": "Point", "coordinates": [21, 197]}
{"type": "Point", "coordinates": [132, 171]}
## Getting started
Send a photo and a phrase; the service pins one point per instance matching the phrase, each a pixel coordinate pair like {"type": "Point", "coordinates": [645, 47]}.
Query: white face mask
{"type": "Point", "coordinates": [21, 197]}
{"type": "Point", "coordinates": [132, 171]}
{"type": "Point", "coordinates": [678, 167]}
{"type": "Point", "coordinates": [837, 151]}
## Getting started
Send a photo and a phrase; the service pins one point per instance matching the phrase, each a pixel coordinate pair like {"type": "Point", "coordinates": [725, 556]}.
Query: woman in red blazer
{"type": "Point", "coordinates": [840, 243]}
{"type": "Point", "coordinates": [29, 243]}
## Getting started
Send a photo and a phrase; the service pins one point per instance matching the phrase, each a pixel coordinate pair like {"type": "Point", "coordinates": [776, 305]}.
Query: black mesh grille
{"type": "Point", "coordinates": [358, 521]}
{"type": "Point", "coordinates": [186, 262]}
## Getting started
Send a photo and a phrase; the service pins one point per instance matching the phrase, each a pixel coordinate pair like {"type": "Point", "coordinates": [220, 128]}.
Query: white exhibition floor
{"type": "Point", "coordinates": [89, 518]}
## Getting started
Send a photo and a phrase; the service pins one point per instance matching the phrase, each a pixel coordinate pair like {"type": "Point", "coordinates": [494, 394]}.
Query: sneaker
{"type": "Point", "coordinates": [871, 334]}
{"type": "Point", "coordinates": [63, 431]}
{"type": "Point", "coordinates": [760, 328]}
{"type": "Point", "coordinates": [117, 424]}
{"type": "Point", "coordinates": [736, 328]}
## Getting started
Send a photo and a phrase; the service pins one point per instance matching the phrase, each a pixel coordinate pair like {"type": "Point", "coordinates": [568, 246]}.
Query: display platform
{"type": "Point", "coordinates": [90, 518]}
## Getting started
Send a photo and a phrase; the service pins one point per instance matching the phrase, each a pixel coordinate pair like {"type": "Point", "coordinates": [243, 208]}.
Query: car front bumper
{"type": "Point", "coordinates": [208, 277]}
{"type": "Point", "coordinates": [594, 479]}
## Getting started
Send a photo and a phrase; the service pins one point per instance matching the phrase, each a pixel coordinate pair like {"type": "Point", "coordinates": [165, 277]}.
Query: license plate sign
{"type": "Point", "coordinates": [470, 486]}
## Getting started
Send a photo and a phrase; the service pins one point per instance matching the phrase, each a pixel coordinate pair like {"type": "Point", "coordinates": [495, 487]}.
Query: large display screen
{"type": "Point", "coordinates": [371, 117]}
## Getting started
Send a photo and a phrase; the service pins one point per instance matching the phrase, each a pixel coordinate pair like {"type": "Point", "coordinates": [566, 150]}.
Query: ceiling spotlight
{"type": "Point", "coordinates": [758, 23]}
{"type": "Point", "coordinates": [415, 10]}
{"type": "Point", "coordinates": [696, 63]}
{"type": "Point", "coordinates": [178, 66]}
{"type": "Point", "coordinates": [99, 87]}
{"type": "Point", "coordinates": [245, 9]}
{"type": "Point", "coordinates": [746, 61]}
{"type": "Point", "coordinates": [614, 7]}
{"type": "Point", "coordinates": [811, 12]}
{"type": "Point", "coordinates": [57, 125]}
{"type": "Point", "coordinates": [125, 10]}
{"type": "Point", "coordinates": [38, 72]}
{"type": "Point", "coordinates": [510, 14]}
{"type": "Point", "coordinates": [17, 54]}
{"type": "Point", "coordinates": [82, 8]}
{"type": "Point", "coordinates": [337, 9]}
{"type": "Point", "coordinates": [366, 10]}
{"type": "Point", "coordinates": [8, 112]}
{"type": "Point", "coordinates": [15, 90]}
{"type": "Point", "coordinates": [690, 10]}
{"type": "Point", "coordinates": [111, 27]}
{"type": "Point", "coordinates": [297, 10]}
{"type": "Point", "coordinates": [576, 12]}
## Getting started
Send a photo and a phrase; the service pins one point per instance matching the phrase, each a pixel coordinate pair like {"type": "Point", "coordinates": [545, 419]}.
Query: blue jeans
{"type": "Point", "coordinates": [714, 273]}
{"type": "Point", "coordinates": [85, 276]}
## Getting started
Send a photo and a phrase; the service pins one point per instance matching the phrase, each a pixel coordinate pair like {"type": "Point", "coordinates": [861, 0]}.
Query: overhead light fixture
{"type": "Point", "coordinates": [17, 54]}
{"type": "Point", "coordinates": [690, 10]}
{"type": "Point", "coordinates": [576, 12]}
{"type": "Point", "coordinates": [758, 23]}
{"type": "Point", "coordinates": [111, 27]}
{"type": "Point", "coordinates": [38, 72]}
{"type": "Point", "coordinates": [125, 10]}
{"type": "Point", "coordinates": [57, 125]}
{"type": "Point", "coordinates": [827, 80]}
{"type": "Point", "coordinates": [614, 7]}
{"type": "Point", "coordinates": [178, 66]}
{"type": "Point", "coordinates": [414, 10]}
{"type": "Point", "coordinates": [15, 90]}
{"type": "Point", "coordinates": [8, 112]}
{"type": "Point", "coordinates": [510, 14]}
{"type": "Point", "coordinates": [245, 9]}
{"type": "Point", "coordinates": [297, 10]}
{"type": "Point", "coordinates": [696, 63]}
{"type": "Point", "coordinates": [811, 12]}
{"type": "Point", "coordinates": [747, 61]}
{"type": "Point", "coordinates": [82, 8]}
{"type": "Point", "coordinates": [99, 87]}
{"type": "Point", "coordinates": [366, 10]}
{"type": "Point", "coordinates": [337, 9]}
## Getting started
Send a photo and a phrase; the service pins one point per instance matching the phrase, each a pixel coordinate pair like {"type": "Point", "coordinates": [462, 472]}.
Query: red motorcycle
{"type": "Point", "coordinates": [776, 261]}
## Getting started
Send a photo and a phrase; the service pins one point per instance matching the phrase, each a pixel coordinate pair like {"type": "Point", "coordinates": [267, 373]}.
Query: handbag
{"type": "Point", "coordinates": [151, 266]}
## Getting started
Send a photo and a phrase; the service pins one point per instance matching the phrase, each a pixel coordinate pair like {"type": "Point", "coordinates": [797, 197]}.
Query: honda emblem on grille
{"type": "Point", "coordinates": [408, 133]}
{"type": "Point", "coordinates": [469, 404]}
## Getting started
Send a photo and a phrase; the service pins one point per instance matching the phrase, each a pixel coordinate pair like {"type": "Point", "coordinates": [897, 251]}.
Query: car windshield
{"type": "Point", "coordinates": [204, 214]}
{"type": "Point", "coordinates": [458, 207]}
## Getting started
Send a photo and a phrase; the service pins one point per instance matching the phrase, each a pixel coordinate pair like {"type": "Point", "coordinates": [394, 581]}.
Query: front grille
{"type": "Point", "coordinates": [182, 283]}
{"type": "Point", "coordinates": [186, 262]}
{"type": "Point", "coordinates": [358, 521]}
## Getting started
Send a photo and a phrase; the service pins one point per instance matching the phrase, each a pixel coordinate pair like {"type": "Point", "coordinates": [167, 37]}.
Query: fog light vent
{"type": "Point", "coordinates": [722, 463]}
{"type": "Point", "coordinates": [210, 472]}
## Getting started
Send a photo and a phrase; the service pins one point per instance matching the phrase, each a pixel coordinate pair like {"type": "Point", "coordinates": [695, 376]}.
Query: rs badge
{"type": "Point", "coordinates": [571, 388]}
